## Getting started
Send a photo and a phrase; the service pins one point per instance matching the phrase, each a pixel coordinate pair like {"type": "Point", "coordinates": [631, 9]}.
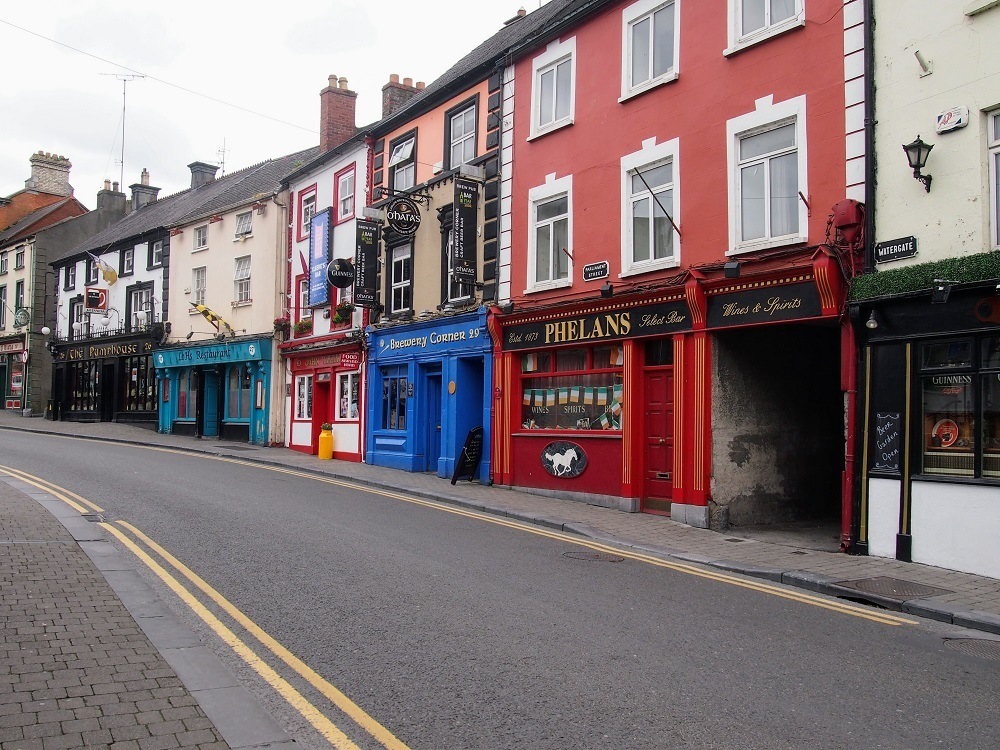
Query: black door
{"type": "Point", "coordinates": [108, 392]}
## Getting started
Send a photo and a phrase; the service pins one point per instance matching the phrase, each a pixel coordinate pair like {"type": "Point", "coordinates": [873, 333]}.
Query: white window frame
{"type": "Point", "coordinates": [241, 280]}
{"type": "Point", "coordinates": [766, 116]}
{"type": "Point", "coordinates": [93, 271]}
{"type": "Point", "coordinates": [553, 188]}
{"type": "Point", "coordinates": [308, 211]}
{"type": "Point", "coordinates": [465, 141]}
{"type": "Point", "coordinates": [19, 257]}
{"type": "Point", "coordinates": [199, 284]}
{"type": "Point", "coordinates": [244, 224]}
{"type": "Point", "coordinates": [303, 396]}
{"type": "Point", "coordinates": [3, 307]}
{"type": "Point", "coordinates": [4, 260]}
{"type": "Point", "coordinates": [993, 152]}
{"type": "Point", "coordinates": [346, 383]}
{"type": "Point", "coordinates": [557, 52]}
{"type": "Point", "coordinates": [651, 154]}
{"type": "Point", "coordinates": [200, 238]}
{"type": "Point", "coordinates": [156, 254]}
{"type": "Point", "coordinates": [632, 15]}
{"type": "Point", "coordinates": [739, 40]}
{"type": "Point", "coordinates": [400, 254]}
{"type": "Point", "coordinates": [345, 192]}
{"type": "Point", "coordinates": [70, 276]}
{"type": "Point", "coordinates": [403, 162]}
{"type": "Point", "coordinates": [304, 310]}
{"type": "Point", "coordinates": [128, 261]}
{"type": "Point", "coordinates": [142, 299]}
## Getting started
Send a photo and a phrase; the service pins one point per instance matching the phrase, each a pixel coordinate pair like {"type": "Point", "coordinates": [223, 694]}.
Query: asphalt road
{"type": "Point", "coordinates": [457, 632]}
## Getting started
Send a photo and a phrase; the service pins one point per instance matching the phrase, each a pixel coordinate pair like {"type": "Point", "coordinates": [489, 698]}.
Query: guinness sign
{"type": "Point", "coordinates": [402, 216]}
{"type": "Point", "coordinates": [340, 273]}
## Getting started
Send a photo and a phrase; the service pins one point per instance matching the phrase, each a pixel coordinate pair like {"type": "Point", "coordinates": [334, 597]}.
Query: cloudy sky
{"type": "Point", "coordinates": [244, 77]}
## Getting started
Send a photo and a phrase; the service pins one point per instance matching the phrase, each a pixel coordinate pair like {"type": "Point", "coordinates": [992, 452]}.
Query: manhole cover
{"type": "Point", "coordinates": [980, 647]}
{"type": "Point", "coordinates": [600, 556]}
{"type": "Point", "coordinates": [894, 588]}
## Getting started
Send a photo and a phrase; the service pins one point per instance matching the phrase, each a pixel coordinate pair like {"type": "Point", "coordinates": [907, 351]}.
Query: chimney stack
{"type": "Point", "coordinates": [142, 193]}
{"type": "Point", "coordinates": [202, 173]}
{"type": "Point", "coordinates": [111, 202]}
{"type": "Point", "coordinates": [49, 174]}
{"type": "Point", "coordinates": [396, 94]}
{"type": "Point", "coordinates": [337, 107]}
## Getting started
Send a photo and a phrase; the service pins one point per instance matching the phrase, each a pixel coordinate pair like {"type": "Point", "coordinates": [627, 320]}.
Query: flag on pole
{"type": "Point", "coordinates": [110, 275]}
{"type": "Point", "coordinates": [212, 317]}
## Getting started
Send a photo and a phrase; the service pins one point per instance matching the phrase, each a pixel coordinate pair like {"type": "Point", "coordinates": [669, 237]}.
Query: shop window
{"type": "Point", "coordinates": [138, 384]}
{"type": "Point", "coordinates": [348, 384]}
{"type": "Point", "coordinates": [395, 392]}
{"type": "Point", "coordinates": [573, 389]}
{"type": "Point", "coordinates": [186, 394]}
{"type": "Point", "coordinates": [960, 407]}
{"type": "Point", "coordinates": [303, 396]}
{"type": "Point", "coordinates": [238, 394]}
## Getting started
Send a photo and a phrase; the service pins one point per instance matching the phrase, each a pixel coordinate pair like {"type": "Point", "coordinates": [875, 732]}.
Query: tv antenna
{"type": "Point", "coordinates": [221, 153]}
{"type": "Point", "coordinates": [125, 78]}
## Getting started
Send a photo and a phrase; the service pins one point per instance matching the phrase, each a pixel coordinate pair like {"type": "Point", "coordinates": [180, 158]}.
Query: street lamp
{"type": "Point", "coordinates": [105, 320]}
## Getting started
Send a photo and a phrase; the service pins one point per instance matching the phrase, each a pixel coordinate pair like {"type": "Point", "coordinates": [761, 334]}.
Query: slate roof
{"type": "Point", "coordinates": [23, 225]}
{"type": "Point", "coordinates": [519, 34]}
{"type": "Point", "coordinates": [223, 194]}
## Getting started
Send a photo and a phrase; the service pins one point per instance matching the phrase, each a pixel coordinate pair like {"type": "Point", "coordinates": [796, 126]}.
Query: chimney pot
{"type": "Point", "coordinates": [114, 186]}
{"type": "Point", "coordinates": [107, 184]}
{"type": "Point", "coordinates": [144, 177]}
{"type": "Point", "coordinates": [420, 85]}
{"type": "Point", "coordinates": [332, 81]}
{"type": "Point", "coordinates": [408, 82]}
{"type": "Point", "coordinates": [394, 78]}
{"type": "Point", "coordinates": [343, 83]}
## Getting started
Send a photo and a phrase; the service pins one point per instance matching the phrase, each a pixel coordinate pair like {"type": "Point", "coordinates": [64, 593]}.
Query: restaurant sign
{"type": "Point", "coordinates": [632, 322]}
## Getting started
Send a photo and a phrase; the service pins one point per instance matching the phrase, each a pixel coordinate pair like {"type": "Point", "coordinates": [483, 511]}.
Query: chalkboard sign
{"type": "Point", "coordinates": [887, 430]}
{"type": "Point", "coordinates": [471, 455]}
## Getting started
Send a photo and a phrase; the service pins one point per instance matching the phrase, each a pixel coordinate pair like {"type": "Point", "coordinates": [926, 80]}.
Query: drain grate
{"type": "Point", "coordinates": [980, 647]}
{"type": "Point", "coordinates": [894, 588]}
{"type": "Point", "coordinates": [599, 556]}
{"type": "Point", "coordinates": [92, 517]}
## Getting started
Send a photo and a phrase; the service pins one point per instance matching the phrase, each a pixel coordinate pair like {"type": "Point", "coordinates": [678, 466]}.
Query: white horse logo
{"type": "Point", "coordinates": [562, 463]}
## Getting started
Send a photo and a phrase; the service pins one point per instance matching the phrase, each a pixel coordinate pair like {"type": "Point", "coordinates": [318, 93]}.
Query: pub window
{"type": "Point", "coordinates": [573, 389]}
{"type": "Point", "coordinates": [138, 384]}
{"type": "Point", "coordinates": [303, 396]}
{"type": "Point", "coordinates": [238, 394]}
{"type": "Point", "coordinates": [347, 395]}
{"type": "Point", "coordinates": [960, 407]}
{"type": "Point", "coordinates": [394, 395]}
{"type": "Point", "coordinates": [84, 380]}
{"type": "Point", "coordinates": [186, 394]}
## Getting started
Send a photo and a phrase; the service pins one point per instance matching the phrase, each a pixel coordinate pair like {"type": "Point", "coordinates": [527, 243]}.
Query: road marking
{"type": "Point", "coordinates": [61, 492]}
{"type": "Point", "coordinates": [341, 701]}
{"type": "Point", "coordinates": [313, 715]}
{"type": "Point", "coordinates": [790, 594]}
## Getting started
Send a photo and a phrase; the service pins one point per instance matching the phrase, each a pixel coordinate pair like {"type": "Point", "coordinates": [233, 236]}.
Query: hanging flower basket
{"type": "Point", "coordinates": [282, 325]}
{"type": "Point", "coordinates": [343, 312]}
{"type": "Point", "coordinates": [304, 326]}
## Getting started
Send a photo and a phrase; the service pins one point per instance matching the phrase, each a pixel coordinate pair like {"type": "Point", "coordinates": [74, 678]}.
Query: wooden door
{"type": "Point", "coordinates": [659, 437]}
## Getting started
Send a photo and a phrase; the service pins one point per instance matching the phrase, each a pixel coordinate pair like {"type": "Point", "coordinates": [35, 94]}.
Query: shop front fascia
{"type": "Point", "coordinates": [13, 352]}
{"type": "Point", "coordinates": [327, 386]}
{"type": "Point", "coordinates": [430, 384]}
{"type": "Point", "coordinates": [611, 402]}
{"type": "Point", "coordinates": [106, 379]}
{"type": "Point", "coordinates": [929, 412]}
{"type": "Point", "coordinates": [218, 390]}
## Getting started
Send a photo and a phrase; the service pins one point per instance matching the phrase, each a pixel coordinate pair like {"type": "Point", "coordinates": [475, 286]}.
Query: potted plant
{"type": "Point", "coordinates": [343, 312]}
{"type": "Point", "coordinates": [326, 427]}
{"type": "Point", "coordinates": [304, 326]}
{"type": "Point", "coordinates": [282, 325]}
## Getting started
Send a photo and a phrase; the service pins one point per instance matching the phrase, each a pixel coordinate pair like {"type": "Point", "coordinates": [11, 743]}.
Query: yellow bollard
{"type": "Point", "coordinates": [326, 443]}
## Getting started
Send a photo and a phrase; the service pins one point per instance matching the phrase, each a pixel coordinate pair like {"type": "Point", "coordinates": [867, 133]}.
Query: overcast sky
{"type": "Point", "coordinates": [203, 61]}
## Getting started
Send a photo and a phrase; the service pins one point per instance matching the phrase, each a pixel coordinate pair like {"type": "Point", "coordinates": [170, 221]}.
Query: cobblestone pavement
{"type": "Point", "coordinates": [77, 671]}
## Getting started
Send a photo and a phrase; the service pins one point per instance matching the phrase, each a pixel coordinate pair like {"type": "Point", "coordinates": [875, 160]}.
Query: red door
{"type": "Point", "coordinates": [659, 410]}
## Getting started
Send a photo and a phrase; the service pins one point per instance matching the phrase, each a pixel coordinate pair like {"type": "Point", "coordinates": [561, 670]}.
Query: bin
{"type": "Point", "coordinates": [326, 444]}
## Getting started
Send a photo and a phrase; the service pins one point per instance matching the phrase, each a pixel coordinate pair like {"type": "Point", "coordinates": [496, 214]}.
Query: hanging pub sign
{"type": "Point", "coordinates": [463, 247]}
{"type": "Point", "coordinates": [96, 299]}
{"type": "Point", "coordinates": [402, 216]}
{"type": "Point", "coordinates": [764, 304]}
{"type": "Point", "coordinates": [366, 263]}
{"type": "Point", "coordinates": [668, 316]}
{"type": "Point", "coordinates": [319, 258]}
{"type": "Point", "coordinates": [904, 247]}
{"type": "Point", "coordinates": [340, 273]}
{"type": "Point", "coordinates": [21, 317]}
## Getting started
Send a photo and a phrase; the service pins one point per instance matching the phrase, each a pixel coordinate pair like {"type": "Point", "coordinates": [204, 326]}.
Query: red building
{"type": "Point", "coordinates": [673, 339]}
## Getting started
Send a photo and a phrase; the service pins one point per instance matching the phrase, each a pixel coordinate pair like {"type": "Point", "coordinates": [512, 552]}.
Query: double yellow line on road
{"type": "Point", "coordinates": [330, 731]}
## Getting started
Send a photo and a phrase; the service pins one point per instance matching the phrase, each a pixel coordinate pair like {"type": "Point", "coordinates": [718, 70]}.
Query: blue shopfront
{"type": "Point", "coordinates": [218, 390]}
{"type": "Point", "coordinates": [430, 385]}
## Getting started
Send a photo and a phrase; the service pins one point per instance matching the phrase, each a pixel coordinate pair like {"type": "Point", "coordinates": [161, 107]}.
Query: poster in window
{"type": "Point", "coordinates": [319, 258]}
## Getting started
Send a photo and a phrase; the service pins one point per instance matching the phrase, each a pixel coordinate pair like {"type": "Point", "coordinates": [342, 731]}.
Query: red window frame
{"type": "Point", "coordinates": [303, 194]}
{"type": "Point", "coordinates": [337, 218]}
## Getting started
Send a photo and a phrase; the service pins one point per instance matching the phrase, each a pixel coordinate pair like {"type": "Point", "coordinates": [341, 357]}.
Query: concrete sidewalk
{"type": "Point", "coordinates": [959, 598]}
